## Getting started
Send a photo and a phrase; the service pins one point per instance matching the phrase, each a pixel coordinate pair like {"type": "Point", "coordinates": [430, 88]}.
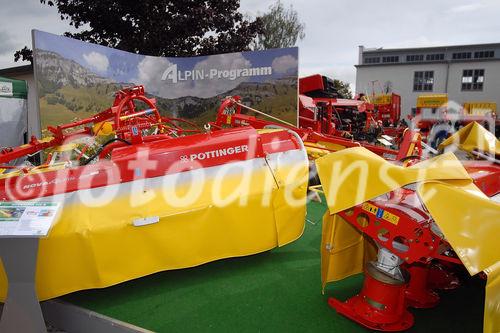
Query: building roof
{"type": "Point", "coordinates": [17, 70]}
{"type": "Point", "coordinates": [431, 48]}
{"type": "Point", "coordinates": [429, 54]}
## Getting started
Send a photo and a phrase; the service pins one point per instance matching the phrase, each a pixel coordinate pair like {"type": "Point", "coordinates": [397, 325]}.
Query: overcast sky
{"type": "Point", "coordinates": [334, 28]}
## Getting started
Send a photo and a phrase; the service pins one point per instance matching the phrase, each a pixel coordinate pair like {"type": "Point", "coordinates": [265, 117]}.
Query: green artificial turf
{"type": "Point", "coordinates": [276, 291]}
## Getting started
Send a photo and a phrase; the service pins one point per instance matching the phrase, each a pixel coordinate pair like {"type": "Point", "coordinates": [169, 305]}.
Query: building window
{"type": "Point", "coordinates": [390, 59]}
{"type": "Point", "coordinates": [434, 57]}
{"type": "Point", "coordinates": [414, 57]}
{"type": "Point", "coordinates": [423, 81]}
{"type": "Point", "coordinates": [372, 60]}
{"type": "Point", "coordinates": [473, 79]}
{"type": "Point", "coordinates": [484, 54]}
{"type": "Point", "coordinates": [461, 55]}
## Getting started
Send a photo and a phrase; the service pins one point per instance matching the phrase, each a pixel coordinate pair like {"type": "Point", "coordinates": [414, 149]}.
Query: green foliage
{"type": "Point", "coordinates": [281, 27]}
{"type": "Point", "coordinates": [25, 54]}
{"type": "Point", "coordinates": [52, 100]}
{"type": "Point", "coordinates": [158, 27]}
{"type": "Point", "coordinates": [343, 89]}
{"type": "Point", "coordinates": [191, 111]}
{"type": "Point", "coordinates": [46, 86]}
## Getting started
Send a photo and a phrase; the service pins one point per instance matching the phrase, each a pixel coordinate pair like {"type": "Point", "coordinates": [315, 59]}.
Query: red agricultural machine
{"type": "Point", "coordinates": [388, 112]}
{"type": "Point", "coordinates": [414, 256]}
{"type": "Point", "coordinates": [146, 165]}
{"type": "Point", "coordinates": [321, 110]}
{"type": "Point", "coordinates": [128, 124]}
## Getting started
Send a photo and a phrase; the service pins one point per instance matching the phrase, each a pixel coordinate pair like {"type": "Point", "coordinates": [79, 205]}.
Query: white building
{"type": "Point", "coordinates": [465, 72]}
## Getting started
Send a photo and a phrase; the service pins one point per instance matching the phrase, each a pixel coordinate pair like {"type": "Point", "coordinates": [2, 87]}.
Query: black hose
{"type": "Point", "coordinates": [410, 157]}
{"type": "Point", "coordinates": [102, 147]}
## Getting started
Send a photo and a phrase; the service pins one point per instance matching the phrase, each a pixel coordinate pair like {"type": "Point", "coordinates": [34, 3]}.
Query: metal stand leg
{"type": "Point", "coordinates": [21, 312]}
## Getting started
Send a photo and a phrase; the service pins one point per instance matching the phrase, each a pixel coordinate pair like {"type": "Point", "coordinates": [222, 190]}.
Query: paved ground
{"type": "Point", "coordinates": [50, 328]}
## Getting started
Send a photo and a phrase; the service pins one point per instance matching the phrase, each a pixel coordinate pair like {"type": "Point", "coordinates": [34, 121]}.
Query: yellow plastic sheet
{"type": "Point", "coordinates": [471, 137]}
{"type": "Point", "coordinates": [469, 220]}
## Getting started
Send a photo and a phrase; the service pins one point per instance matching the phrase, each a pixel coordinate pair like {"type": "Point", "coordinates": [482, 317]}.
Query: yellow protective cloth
{"type": "Point", "coordinates": [95, 247]}
{"type": "Point", "coordinates": [471, 137]}
{"type": "Point", "coordinates": [316, 150]}
{"type": "Point", "coordinates": [352, 176]}
{"type": "Point", "coordinates": [344, 250]}
{"type": "Point", "coordinates": [471, 224]}
{"type": "Point", "coordinates": [469, 220]}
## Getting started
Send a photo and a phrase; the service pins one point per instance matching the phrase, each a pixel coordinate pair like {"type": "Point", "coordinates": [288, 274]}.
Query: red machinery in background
{"type": "Point", "coordinates": [321, 110]}
{"type": "Point", "coordinates": [322, 141]}
{"type": "Point", "coordinates": [388, 112]}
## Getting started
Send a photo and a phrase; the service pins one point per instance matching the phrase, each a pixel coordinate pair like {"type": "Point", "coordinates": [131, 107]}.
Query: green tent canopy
{"type": "Point", "coordinates": [13, 88]}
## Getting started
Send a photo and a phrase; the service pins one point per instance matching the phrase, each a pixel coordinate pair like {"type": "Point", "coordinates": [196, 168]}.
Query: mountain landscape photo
{"type": "Point", "coordinates": [72, 87]}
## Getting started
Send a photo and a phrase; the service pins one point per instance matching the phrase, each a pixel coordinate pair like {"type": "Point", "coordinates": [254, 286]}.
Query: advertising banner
{"type": "Point", "coordinates": [76, 79]}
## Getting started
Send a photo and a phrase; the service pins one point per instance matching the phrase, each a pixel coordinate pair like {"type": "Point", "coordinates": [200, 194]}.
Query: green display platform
{"type": "Point", "coordinates": [277, 291]}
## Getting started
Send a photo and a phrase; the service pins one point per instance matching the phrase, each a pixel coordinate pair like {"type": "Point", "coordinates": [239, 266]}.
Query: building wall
{"type": "Point", "coordinates": [399, 65]}
{"type": "Point", "coordinates": [401, 78]}
{"type": "Point", "coordinates": [491, 87]}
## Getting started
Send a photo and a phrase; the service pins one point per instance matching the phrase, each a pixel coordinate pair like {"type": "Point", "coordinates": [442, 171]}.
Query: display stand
{"type": "Point", "coordinates": [21, 311]}
{"type": "Point", "coordinates": [21, 226]}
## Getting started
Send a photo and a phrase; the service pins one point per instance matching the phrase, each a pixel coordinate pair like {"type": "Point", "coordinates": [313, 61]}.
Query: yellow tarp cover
{"type": "Point", "coordinates": [95, 247]}
{"type": "Point", "coordinates": [480, 108]}
{"type": "Point", "coordinates": [471, 137]}
{"type": "Point", "coordinates": [469, 220]}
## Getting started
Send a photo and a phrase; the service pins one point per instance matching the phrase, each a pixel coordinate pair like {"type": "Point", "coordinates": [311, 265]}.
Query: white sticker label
{"type": "Point", "coordinates": [6, 89]}
{"type": "Point", "coordinates": [145, 221]}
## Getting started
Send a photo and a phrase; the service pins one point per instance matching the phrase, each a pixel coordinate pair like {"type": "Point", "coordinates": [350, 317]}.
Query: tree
{"type": "Point", "coordinates": [343, 89]}
{"type": "Point", "coordinates": [281, 27]}
{"type": "Point", "coordinates": [158, 27]}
